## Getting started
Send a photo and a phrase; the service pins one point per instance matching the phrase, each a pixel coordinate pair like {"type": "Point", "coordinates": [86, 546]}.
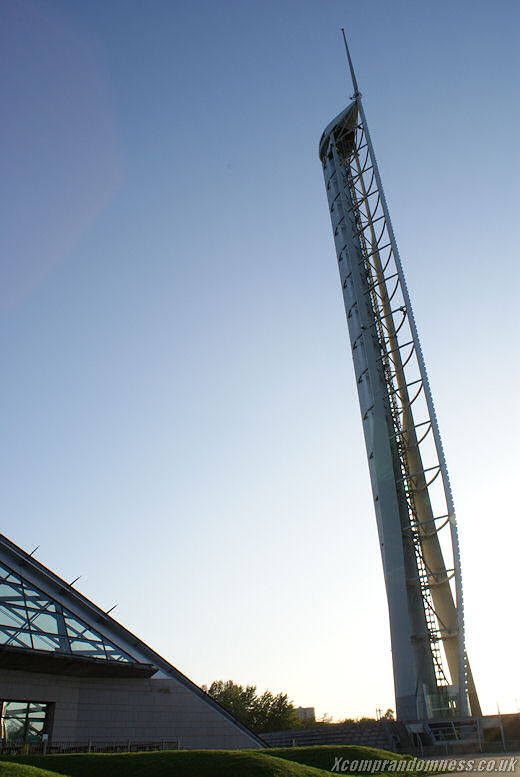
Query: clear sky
{"type": "Point", "coordinates": [179, 419]}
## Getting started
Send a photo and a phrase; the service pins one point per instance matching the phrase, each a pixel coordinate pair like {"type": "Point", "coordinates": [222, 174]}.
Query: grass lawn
{"type": "Point", "coordinates": [323, 756]}
{"type": "Point", "coordinates": [276, 762]}
{"type": "Point", "coordinates": [12, 769]}
{"type": "Point", "coordinates": [183, 763]}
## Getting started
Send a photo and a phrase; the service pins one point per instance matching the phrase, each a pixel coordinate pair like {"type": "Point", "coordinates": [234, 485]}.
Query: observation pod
{"type": "Point", "coordinates": [409, 478]}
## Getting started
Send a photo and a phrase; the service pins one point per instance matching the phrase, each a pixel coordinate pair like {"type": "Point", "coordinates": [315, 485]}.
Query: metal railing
{"type": "Point", "coordinates": [43, 747]}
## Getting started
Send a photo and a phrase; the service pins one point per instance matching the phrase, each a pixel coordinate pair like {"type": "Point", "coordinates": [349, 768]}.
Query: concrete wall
{"type": "Point", "coordinates": [121, 709]}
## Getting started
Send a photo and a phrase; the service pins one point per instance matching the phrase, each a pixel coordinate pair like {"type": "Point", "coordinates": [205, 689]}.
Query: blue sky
{"type": "Point", "coordinates": [179, 418]}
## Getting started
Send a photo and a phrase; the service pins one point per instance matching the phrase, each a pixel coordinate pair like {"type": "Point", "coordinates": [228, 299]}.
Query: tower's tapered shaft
{"type": "Point", "coordinates": [410, 484]}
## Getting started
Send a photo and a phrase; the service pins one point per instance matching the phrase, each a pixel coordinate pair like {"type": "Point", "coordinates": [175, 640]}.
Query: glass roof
{"type": "Point", "coordinates": [31, 619]}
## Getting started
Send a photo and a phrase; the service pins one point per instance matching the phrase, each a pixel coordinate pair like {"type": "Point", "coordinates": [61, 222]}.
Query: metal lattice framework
{"type": "Point", "coordinates": [31, 619]}
{"type": "Point", "coordinates": [410, 482]}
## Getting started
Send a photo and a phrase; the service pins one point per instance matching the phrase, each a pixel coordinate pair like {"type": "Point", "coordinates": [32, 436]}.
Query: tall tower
{"type": "Point", "coordinates": [410, 484]}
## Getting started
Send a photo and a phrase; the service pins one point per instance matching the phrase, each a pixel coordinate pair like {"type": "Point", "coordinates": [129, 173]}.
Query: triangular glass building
{"type": "Point", "coordinates": [70, 675]}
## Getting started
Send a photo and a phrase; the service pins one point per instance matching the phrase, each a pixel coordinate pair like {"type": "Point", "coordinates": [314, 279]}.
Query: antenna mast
{"type": "Point", "coordinates": [357, 93]}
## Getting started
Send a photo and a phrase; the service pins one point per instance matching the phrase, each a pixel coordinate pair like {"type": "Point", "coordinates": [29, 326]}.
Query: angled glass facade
{"type": "Point", "coordinates": [31, 619]}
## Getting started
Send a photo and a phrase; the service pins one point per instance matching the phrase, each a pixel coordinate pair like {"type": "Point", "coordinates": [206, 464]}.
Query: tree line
{"type": "Point", "coordinates": [259, 712]}
{"type": "Point", "coordinates": [267, 711]}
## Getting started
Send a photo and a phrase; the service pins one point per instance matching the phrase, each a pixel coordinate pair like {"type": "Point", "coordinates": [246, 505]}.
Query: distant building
{"type": "Point", "coordinates": [70, 674]}
{"type": "Point", "coordinates": [306, 714]}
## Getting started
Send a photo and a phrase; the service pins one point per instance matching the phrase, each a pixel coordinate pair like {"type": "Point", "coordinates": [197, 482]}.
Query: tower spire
{"type": "Point", "coordinates": [357, 93]}
{"type": "Point", "coordinates": [431, 673]}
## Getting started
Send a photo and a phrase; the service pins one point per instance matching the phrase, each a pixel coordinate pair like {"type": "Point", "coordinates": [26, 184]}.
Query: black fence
{"type": "Point", "coordinates": [92, 746]}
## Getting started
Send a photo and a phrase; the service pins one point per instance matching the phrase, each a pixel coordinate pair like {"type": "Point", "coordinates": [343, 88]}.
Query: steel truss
{"type": "Point", "coordinates": [412, 497]}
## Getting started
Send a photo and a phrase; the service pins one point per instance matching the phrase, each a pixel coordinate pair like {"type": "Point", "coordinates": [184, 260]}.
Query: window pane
{"type": "Point", "coordinates": [8, 591]}
{"type": "Point", "coordinates": [6, 573]}
{"type": "Point", "coordinates": [12, 617]}
{"type": "Point", "coordinates": [35, 730]}
{"type": "Point", "coordinates": [44, 642]}
{"type": "Point", "coordinates": [81, 646]}
{"type": "Point", "coordinates": [15, 638]}
{"type": "Point", "coordinates": [15, 708]}
{"type": "Point", "coordinates": [44, 622]}
{"type": "Point", "coordinates": [37, 709]}
{"type": "Point", "coordinates": [77, 629]}
{"type": "Point", "coordinates": [14, 731]}
{"type": "Point", "coordinates": [33, 594]}
{"type": "Point", "coordinates": [114, 655]}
